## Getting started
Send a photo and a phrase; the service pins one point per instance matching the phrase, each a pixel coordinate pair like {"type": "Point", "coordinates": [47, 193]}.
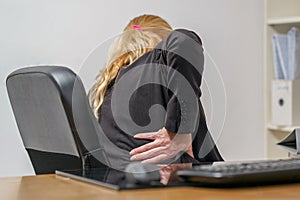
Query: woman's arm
{"type": "Point", "coordinates": [183, 57]}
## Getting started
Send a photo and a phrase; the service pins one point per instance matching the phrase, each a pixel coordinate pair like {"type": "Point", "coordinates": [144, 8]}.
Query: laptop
{"type": "Point", "coordinates": [111, 178]}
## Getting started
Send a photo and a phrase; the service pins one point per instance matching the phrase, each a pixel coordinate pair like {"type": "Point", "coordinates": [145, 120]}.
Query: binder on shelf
{"type": "Point", "coordinates": [291, 142]}
{"type": "Point", "coordinates": [286, 102]}
{"type": "Point", "coordinates": [280, 55]}
{"type": "Point", "coordinates": [293, 37]}
{"type": "Point", "coordinates": [286, 54]}
{"type": "Point", "coordinates": [286, 87]}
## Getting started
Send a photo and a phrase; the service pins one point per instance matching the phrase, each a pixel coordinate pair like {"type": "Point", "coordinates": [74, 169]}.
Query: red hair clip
{"type": "Point", "coordinates": [137, 27]}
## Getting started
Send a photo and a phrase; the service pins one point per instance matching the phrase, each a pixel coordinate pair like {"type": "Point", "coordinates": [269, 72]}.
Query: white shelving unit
{"type": "Point", "coordinates": [280, 16]}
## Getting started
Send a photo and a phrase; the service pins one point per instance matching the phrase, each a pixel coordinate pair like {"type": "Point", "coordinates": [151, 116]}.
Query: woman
{"type": "Point", "coordinates": [147, 98]}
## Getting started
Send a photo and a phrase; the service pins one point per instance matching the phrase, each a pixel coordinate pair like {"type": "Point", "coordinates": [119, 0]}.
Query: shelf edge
{"type": "Point", "coordinates": [284, 20]}
{"type": "Point", "coordinates": [273, 127]}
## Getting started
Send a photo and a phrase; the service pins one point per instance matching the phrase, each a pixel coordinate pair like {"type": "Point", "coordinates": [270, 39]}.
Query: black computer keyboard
{"type": "Point", "coordinates": [244, 173]}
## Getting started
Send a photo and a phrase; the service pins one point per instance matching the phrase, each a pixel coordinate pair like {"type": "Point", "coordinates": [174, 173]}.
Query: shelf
{"type": "Point", "coordinates": [282, 21]}
{"type": "Point", "coordinates": [280, 17]}
{"type": "Point", "coordinates": [272, 127]}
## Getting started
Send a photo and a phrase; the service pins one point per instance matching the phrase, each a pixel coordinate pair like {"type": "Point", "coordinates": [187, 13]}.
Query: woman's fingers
{"type": "Point", "coordinates": [168, 173]}
{"type": "Point", "coordinates": [144, 148]}
{"type": "Point", "coordinates": [160, 157]}
{"type": "Point", "coordinates": [152, 152]}
{"type": "Point", "coordinates": [147, 136]}
{"type": "Point", "coordinates": [148, 146]}
{"type": "Point", "coordinates": [165, 172]}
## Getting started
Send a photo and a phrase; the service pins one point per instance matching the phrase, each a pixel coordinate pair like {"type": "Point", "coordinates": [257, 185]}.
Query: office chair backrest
{"type": "Point", "coordinates": [54, 118]}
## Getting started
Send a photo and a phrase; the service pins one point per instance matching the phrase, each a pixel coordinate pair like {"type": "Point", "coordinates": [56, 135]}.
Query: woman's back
{"type": "Point", "coordinates": [160, 89]}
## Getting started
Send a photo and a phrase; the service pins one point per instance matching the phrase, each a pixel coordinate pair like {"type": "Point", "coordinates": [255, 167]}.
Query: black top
{"type": "Point", "coordinates": [160, 89]}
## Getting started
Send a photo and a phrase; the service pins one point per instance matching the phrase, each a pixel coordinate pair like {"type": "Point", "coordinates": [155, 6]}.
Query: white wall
{"type": "Point", "coordinates": [65, 31]}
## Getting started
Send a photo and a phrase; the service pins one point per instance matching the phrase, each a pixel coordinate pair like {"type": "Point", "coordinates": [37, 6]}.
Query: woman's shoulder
{"type": "Point", "coordinates": [181, 35]}
{"type": "Point", "coordinates": [181, 42]}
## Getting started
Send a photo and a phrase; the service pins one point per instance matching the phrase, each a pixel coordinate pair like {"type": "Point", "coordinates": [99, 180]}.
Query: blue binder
{"type": "Point", "coordinates": [286, 52]}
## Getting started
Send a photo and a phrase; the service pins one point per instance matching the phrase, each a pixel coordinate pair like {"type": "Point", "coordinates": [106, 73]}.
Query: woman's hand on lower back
{"type": "Point", "coordinates": [164, 145]}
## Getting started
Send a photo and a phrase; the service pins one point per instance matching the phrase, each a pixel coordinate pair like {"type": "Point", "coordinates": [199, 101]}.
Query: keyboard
{"type": "Point", "coordinates": [243, 173]}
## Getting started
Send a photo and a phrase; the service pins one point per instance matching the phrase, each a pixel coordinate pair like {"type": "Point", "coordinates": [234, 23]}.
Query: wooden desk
{"type": "Point", "coordinates": [54, 187]}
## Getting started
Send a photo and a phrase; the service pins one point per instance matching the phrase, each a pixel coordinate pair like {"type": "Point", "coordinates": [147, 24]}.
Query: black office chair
{"type": "Point", "coordinates": [55, 121]}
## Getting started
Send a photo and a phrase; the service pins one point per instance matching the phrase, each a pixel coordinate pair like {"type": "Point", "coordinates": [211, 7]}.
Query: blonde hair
{"type": "Point", "coordinates": [140, 36]}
